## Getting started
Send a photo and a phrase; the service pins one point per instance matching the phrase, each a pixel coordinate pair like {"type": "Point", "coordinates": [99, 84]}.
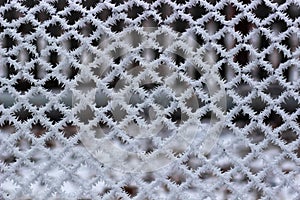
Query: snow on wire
{"type": "Point", "coordinates": [149, 99]}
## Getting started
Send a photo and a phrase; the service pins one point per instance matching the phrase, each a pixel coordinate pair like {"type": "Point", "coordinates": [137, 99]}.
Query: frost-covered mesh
{"type": "Point", "coordinates": [149, 99]}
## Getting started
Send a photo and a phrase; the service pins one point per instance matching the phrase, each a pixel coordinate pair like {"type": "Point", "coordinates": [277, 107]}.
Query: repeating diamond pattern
{"type": "Point", "coordinates": [51, 51]}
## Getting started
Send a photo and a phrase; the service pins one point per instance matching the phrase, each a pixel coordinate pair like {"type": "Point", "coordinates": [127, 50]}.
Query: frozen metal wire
{"type": "Point", "coordinates": [53, 52]}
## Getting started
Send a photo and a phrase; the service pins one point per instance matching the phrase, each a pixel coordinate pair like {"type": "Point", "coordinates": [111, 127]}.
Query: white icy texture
{"type": "Point", "coordinates": [191, 159]}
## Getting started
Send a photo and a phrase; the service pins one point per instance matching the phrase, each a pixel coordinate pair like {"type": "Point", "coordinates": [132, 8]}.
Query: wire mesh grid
{"type": "Point", "coordinates": [148, 80]}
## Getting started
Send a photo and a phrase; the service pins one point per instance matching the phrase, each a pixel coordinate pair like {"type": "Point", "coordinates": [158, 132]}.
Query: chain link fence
{"type": "Point", "coordinates": [149, 99]}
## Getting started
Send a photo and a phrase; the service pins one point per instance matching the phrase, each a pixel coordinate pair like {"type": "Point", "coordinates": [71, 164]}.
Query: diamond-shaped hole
{"type": "Point", "coordinates": [242, 57]}
{"type": "Point", "coordinates": [134, 68]}
{"type": "Point", "coordinates": [163, 99]}
{"type": "Point", "coordinates": [114, 81]}
{"type": "Point", "coordinates": [263, 42]}
{"type": "Point", "coordinates": [135, 99]}
{"type": "Point", "coordinates": [7, 99]}
{"type": "Point", "coordinates": [84, 86]}
{"type": "Point", "coordinates": [70, 72]}
{"type": "Point", "coordinates": [241, 120]}
{"type": "Point", "coordinates": [276, 58]}
{"type": "Point", "coordinates": [118, 26]}
{"type": "Point", "coordinates": [197, 11]}
{"type": "Point", "coordinates": [273, 119]}
{"type": "Point", "coordinates": [165, 10]}
{"type": "Point", "coordinates": [7, 127]}
{"type": "Point", "coordinates": [148, 177]}
{"type": "Point", "coordinates": [258, 73]}
{"type": "Point", "coordinates": [87, 29]}
{"type": "Point", "coordinates": [193, 73]}
{"type": "Point", "coordinates": [8, 42]}
{"type": "Point", "coordinates": [131, 190]}
{"type": "Point", "coordinates": [117, 54]}
{"type": "Point", "coordinates": [101, 99]}
{"type": "Point", "coordinates": [213, 26]}
{"type": "Point", "coordinates": [38, 99]}
{"type": "Point", "coordinates": [23, 114]}
{"type": "Point", "coordinates": [146, 114]}
{"type": "Point", "coordinates": [192, 103]}
{"type": "Point", "coordinates": [55, 30]}
{"type": "Point", "coordinates": [10, 70]}
{"type": "Point", "coordinates": [72, 44]}
{"type": "Point", "coordinates": [85, 115]}
{"type": "Point", "coordinates": [73, 17]}
{"type": "Point", "coordinates": [243, 88]}
{"type": "Point", "coordinates": [101, 129]}
{"type": "Point", "coordinates": [53, 85]}
{"type": "Point", "coordinates": [288, 136]}
{"type": "Point", "coordinates": [227, 41]}
{"type": "Point", "coordinates": [290, 105]}
{"type": "Point", "coordinates": [258, 105]}
{"type": "Point", "coordinates": [175, 116]}
{"type": "Point", "coordinates": [293, 11]}
{"type": "Point", "coordinates": [150, 22]}
{"type": "Point", "coordinates": [54, 115]}
{"type": "Point", "coordinates": [119, 113]}
{"type": "Point", "coordinates": [178, 57]}
{"type": "Point", "coordinates": [274, 90]}
{"type": "Point", "coordinates": [25, 56]}
{"type": "Point", "coordinates": [179, 25]}
{"type": "Point", "coordinates": [54, 58]}
{"type": "Point", "coordinates": [42, 15]}
{"type": "Point", "coordinates": [88, 4]}
{"type": "Point", "coordinates": [193, 163]}
{"type": "Point", "coordinates": [26, 28]}
{"type": "Point", "coordinates": [38, 129]}
{"type": "Point", "coordinates": [244, 26]}
{"type": "Point", "coordinates": [60, 5]}
{"type": "Point", "coordinates": [177, 178]}
{"type": "Point", "coordinates": [163, 71]}
{"type": "Point", "coordinates": [150, 54]}
{"type": "Point", "coordinates": [136, 39]}
{"type": "Point", "coordinates": [135, 11]}
{"type": "Point", "coordinates": [30, 3]}
{"type": "Point", "coordinates": [278, 26]}
{"type": "Point", "coordinates": [262, 11]}
{"type": "Point", "coordinates": [12, 14]}
{"type": "Point", "coordinates": [104, 14]}
{"type": "Point", "coordinates": [229, 11]}
{"type": "Point", "coordinates": [256, 135]}
{"type": "Point", "coordinates": [69, 130]}
{"type": "Point", "coordinates": [241, 150]}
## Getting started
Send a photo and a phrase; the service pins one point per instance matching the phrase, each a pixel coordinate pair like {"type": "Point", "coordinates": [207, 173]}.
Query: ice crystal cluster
{"type": "Point", "coordinates": [149, 99]}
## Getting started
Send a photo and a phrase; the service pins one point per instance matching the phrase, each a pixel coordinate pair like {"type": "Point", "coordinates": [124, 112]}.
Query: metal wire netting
{"type": "Point", "coordinates": [149, 99]}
